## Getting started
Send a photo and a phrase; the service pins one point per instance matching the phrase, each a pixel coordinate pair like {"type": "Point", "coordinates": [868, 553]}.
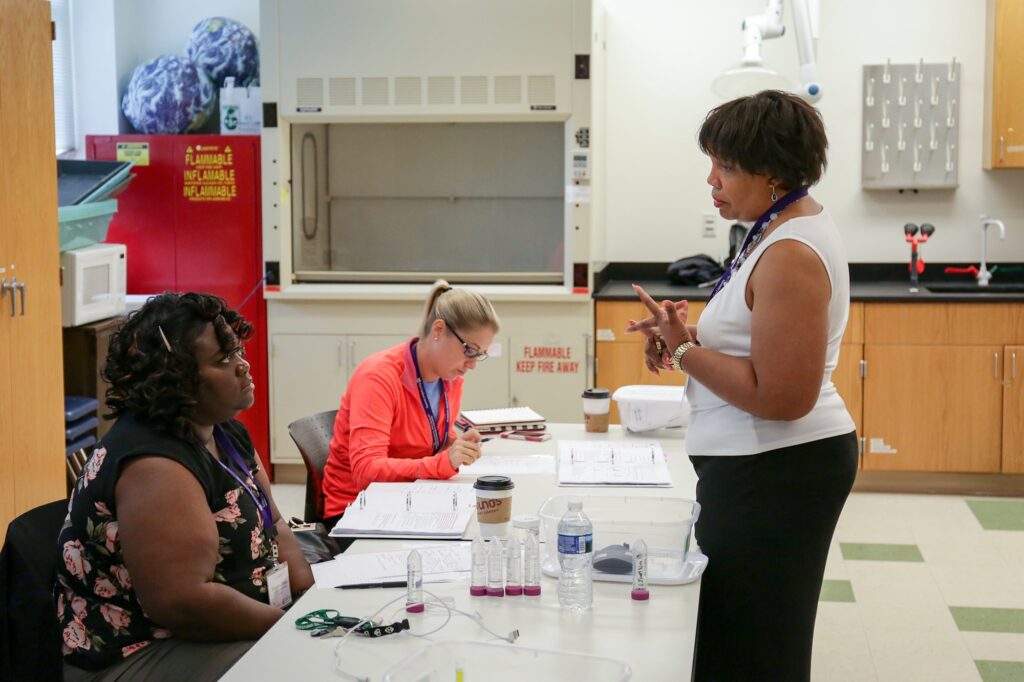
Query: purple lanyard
{"type": "Point", "coordinates": [256, 492]}
{"type": "Point", "coordinates": [438, 443]}
{"type": "Point", "coordinates": [755, 234]}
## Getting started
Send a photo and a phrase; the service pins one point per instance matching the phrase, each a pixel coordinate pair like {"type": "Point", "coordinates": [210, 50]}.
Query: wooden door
{"type": "Point", "coordinates": [33, 401]}
{"type": "Point", "coordinates": [1013, 410]}
{"type": "Point", "coordinates": [1006, 55]}
{"type": "Point", "coordinates": [933, 408]}
{"type": "Point", "coordinates": [848, 382]}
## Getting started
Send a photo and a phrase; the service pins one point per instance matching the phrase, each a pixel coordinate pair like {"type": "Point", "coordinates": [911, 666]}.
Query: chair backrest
{"type": "Point", "coordinates": [29, 632]}
{"type": "Point", "coordinates": [75, 463]}
{"type": "Point", "coordinates": [312, 435]}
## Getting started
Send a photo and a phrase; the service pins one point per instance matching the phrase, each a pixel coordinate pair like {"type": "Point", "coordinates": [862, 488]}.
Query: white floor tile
{"type": "Point", "coordinates": [939, 548]}
{"type": "Point", "coordinates": [908, 655]}
{"type": "Point", "coordinates": [995, 646]}
{"type": "Point", "coordinates": [984, 584]}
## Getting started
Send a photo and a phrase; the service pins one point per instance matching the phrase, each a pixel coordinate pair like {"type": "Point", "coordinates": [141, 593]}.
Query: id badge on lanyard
{"type": "Point", "coordinates": [435, 435]}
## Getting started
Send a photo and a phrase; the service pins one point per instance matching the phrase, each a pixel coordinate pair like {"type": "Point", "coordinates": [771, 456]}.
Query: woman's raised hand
{"type": "Point", "coordinates": [667, 320]}
{"type": "Point", "coordinates": [465, 449]}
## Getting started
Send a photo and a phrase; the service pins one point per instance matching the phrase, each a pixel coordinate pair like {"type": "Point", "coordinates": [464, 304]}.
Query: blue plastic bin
{"type": "Point", "coordinates": [85, 224]}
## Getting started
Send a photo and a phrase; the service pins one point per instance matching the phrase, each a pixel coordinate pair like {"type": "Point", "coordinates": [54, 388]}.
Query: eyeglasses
{"type": "Point", "coordinates": [468, 350]}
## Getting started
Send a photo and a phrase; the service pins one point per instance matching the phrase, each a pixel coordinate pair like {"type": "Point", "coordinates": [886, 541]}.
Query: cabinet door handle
{"type": "Point", "coordinates": [995, 365]}
{"type": "Point", "coordinates": [1002, 148]}
{"type": "Point", "coordinates": [341, 360]}
{"type": "Point", "coordinates": [9, 288]}
{"type": "Point", "coordinates": [21, 287]}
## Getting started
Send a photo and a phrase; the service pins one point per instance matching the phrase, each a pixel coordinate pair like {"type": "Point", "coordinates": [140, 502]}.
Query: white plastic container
{"type": "Point", "coordinates": [646, 408]}
{"type": "Point", "coordinates": [664, 523]}
{"type": "Point", "coordinates": [446, 661]}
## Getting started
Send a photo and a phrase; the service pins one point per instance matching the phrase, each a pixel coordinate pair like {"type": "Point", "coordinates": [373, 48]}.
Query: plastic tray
{"type": "Point", "coordinates": [76, 407]}
{"type": "Point", "coordinates": [664, 523]}
{"type": "Point", "coordinates": [444, 661]}
{"type": "Point", "coordinates": [80, 182]}
{"type": "Point", "coordinates": [85, 224]}
{"type": "Point", "coordinates": [83, 442]}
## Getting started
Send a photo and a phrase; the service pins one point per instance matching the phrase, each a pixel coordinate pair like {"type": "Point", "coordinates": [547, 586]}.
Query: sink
{"type": "Point", "coordinates": [973, 288]}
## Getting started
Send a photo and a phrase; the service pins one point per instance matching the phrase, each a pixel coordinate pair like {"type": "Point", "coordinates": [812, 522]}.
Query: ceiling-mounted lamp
{"type": "Point", "coordinates": [752, 75]}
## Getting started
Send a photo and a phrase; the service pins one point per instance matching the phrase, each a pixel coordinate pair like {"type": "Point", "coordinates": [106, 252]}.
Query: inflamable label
{"type": "Point", "coordinates": [209, 173]}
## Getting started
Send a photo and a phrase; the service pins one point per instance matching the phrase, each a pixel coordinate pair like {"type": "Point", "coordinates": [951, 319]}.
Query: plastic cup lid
{"type": "Point", "coordinates": [494, 483]}
{"type": "Point", "coordinates": [597, 393]}
{"type": "Point", "coordinates": [526, 521]}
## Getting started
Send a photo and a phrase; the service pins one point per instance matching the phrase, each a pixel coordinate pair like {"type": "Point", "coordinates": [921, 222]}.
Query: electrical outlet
{"type": "Point", "coordinates": [709, 224]}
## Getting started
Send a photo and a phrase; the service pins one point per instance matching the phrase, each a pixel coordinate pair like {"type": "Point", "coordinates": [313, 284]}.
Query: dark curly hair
{"type": "Point", "coordinates": [158, 384]}
{"type": "Point", "coordinates": [771, 133]}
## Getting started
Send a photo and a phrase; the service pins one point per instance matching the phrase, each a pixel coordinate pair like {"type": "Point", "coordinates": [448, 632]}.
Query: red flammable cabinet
{"type": "Point", "coordinates": [191, 221]}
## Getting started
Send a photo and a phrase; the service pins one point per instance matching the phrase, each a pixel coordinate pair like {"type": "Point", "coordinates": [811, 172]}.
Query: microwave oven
{"type": "Point", "coordinates": [92, 283]}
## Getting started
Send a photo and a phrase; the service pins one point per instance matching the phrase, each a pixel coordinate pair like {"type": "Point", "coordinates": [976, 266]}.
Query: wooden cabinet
{"type": "Point", "coordinates": [1004, 98]}
{"type": "Point", "coordinates": [1013, 410]}
{"type": "Point", "coordinates": [620, 356]}
{"type": "Point", "coordinates": [31, 402]}
{"type": "Point", "coordinates": [935, 391]}
{"type": "Point", "coordinates": [85, 352]}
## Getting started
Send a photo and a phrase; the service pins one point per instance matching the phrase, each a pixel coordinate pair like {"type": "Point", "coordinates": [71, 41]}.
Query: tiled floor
{"type": "Point", "coordinates": [917, 587]}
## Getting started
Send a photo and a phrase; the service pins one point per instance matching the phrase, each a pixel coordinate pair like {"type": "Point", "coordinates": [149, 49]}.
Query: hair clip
{"type": "Point", "coordinates": [164, 337]}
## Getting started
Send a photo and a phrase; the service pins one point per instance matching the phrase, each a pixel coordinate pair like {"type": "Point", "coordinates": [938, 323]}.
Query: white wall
{"type": "Point", "coordinates": [661, 58]}
{"type": "Point", "coordinates": [111, 37]}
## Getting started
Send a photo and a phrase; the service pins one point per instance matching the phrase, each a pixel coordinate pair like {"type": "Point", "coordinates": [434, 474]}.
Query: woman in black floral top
{"type": "Point", "coordinates": [171, 533]}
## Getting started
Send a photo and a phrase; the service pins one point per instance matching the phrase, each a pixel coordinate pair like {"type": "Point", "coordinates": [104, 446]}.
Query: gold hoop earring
{"type": "Point", "coordinates": [775, 197]}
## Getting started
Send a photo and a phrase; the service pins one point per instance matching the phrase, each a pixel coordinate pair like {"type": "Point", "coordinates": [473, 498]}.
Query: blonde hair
{"type": "Point", "coordinates": [459, 308]}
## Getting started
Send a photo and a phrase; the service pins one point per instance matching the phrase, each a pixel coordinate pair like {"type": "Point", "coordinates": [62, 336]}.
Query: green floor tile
{"type": "Point", "coordinates": [1000, 671]}
{"type": "Point", "coordinates": [974, 619]}
{"type": "Point", "coordinates": [836, 590]}
{"type": "Point", "coordinates": [999, 514]}
{"type": "Point", "coordinates": [858, 551]}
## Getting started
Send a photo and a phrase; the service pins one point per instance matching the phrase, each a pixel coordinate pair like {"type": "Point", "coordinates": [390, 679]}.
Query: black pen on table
{"type": "Point", "coordinates": [364, 586]}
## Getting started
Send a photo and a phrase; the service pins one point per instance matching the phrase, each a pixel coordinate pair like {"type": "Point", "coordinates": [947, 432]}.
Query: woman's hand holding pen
{"type": "Point", "coordinates": [665, 330]}
{"type": "Point", "coordinates": [465, 449]}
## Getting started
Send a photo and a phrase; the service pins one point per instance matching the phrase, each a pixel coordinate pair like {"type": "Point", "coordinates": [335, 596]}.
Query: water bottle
{"type": "Point", "coordinates": [575, 554]}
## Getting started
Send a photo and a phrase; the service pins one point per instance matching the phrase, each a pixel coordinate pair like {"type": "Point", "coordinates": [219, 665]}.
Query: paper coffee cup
{"type": "Point", "coordinates": [493, 505]}
{"type": "Point", "coordinates": [596, 404]}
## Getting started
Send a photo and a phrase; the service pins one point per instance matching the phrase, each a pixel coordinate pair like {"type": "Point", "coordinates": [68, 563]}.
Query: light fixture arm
{"type": "Point", "coordinates": [761, 27]}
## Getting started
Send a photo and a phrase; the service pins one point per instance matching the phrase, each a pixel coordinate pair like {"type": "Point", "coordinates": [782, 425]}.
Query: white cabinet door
{"type": "Point", "coordinates": [308, 375]}
{"type": "Point", "coordinates": [487, 385]}
{"type": "Point", "coordinates": [362, 346]}
{"type": "Point", "coordinates": [549, 374]}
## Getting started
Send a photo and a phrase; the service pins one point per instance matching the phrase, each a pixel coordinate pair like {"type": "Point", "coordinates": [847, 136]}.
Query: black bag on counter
{"type": "Point", "coordinates": [694, 270]}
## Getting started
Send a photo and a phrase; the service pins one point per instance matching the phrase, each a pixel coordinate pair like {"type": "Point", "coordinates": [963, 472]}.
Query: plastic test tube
{"type": "Point", "coordinates": [478, 574]}
{"type": "Point", "coordinates": [640, 592]}
{"type": "Point", "coordinates": [514, 568]}
{"type": "Point", "coordinates": [495, 568]}
{"type": "Point", "coordinates": [531, 584]}
{"type": "Point", "coordinates": [414, 582]}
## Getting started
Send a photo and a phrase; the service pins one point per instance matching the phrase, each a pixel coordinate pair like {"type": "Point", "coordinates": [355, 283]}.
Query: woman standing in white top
{"type": "Point", "coordinates": [773, 446]}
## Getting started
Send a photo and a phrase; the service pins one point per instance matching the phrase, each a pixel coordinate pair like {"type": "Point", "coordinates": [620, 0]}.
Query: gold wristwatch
{"type": "Point", "coordinates": [677, 356]}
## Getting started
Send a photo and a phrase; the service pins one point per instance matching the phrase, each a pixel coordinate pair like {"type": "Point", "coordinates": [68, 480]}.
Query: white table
{"type": "Point", "coordinates": [655, 638]}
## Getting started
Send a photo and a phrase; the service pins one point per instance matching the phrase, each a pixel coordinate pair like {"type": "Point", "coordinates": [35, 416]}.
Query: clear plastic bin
{"type": "Point", "coordinates": [84, 224]}
{"type": "Point", "coordinates": [443, 661]}
{"type": "Point", "coordinates": [665, 524]}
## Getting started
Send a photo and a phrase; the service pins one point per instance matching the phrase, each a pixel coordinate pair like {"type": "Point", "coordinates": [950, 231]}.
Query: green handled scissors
{"type": "Point", "coordinates": [323, 621]}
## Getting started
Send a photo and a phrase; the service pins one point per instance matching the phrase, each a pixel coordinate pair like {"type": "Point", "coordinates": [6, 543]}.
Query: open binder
{"type": "Point", "coordinates": [421, 509]}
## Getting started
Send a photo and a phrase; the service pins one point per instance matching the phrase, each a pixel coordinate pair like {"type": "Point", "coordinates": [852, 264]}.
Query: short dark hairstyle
{"type": "Point", "coordinates": [160, 384]}
{"type": "Point", "coordinates": [771, 133]}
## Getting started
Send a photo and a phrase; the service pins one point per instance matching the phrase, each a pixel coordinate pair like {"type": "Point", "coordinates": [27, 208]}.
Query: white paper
{"type": "Point", "coordinates": [510, 464]}
{"type": "Point", "coordinates": [502, 415]}
{"type": "Point", "coordinates": [612, 463]}
{"type": "Point", "coordinates": [441, 563]}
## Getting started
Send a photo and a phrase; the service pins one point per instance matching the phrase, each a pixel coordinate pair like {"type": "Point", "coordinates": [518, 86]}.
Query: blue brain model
{"type": "Point", "coordinates": [168, 95]}
{"type": "Point", "coordinates": [223, 47]}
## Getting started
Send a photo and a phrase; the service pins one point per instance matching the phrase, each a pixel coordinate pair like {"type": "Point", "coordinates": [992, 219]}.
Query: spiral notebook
{"type": "Point", "coordinates": [502, 419]}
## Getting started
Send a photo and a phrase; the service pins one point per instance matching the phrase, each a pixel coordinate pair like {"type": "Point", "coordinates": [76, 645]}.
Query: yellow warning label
{"type": "Point", "coordinates": [136, 152]}
{"type": "Point", "coordinates": [209, 173]}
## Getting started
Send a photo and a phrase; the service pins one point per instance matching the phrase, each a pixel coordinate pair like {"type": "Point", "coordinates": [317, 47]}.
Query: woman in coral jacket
{"type": "Point", "coordinates": [396, 420]}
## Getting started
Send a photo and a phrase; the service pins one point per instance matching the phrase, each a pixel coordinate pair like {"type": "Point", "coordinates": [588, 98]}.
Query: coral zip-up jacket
{"type": "Point", "coordinates": [381, 432]}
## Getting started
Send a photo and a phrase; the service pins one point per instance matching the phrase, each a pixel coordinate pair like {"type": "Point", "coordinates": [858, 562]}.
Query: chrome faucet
{"type": "Point", "coordinates": [984, 275]}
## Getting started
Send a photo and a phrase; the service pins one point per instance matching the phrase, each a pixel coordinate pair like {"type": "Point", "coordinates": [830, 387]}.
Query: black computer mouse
{"type": "Point", "coordinates": [614, 559]}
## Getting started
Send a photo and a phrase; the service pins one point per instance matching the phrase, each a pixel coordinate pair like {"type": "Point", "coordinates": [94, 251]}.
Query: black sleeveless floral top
{"type": "Point", "coordinates": [100, 615]}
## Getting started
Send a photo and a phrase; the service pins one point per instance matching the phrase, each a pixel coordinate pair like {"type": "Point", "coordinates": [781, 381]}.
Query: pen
{"type": "Point", "coordinates": [520, 436]}
{"type": "Point", "coordinates": [364, 586]}
{"type": "Point", "coordinates": [484, 440]}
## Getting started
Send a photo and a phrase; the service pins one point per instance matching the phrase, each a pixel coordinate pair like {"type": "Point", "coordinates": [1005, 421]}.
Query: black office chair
{"type": "Point", "coordinates": [312, 435]}
{"type": "Point", "coordinates": [29, 632]}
